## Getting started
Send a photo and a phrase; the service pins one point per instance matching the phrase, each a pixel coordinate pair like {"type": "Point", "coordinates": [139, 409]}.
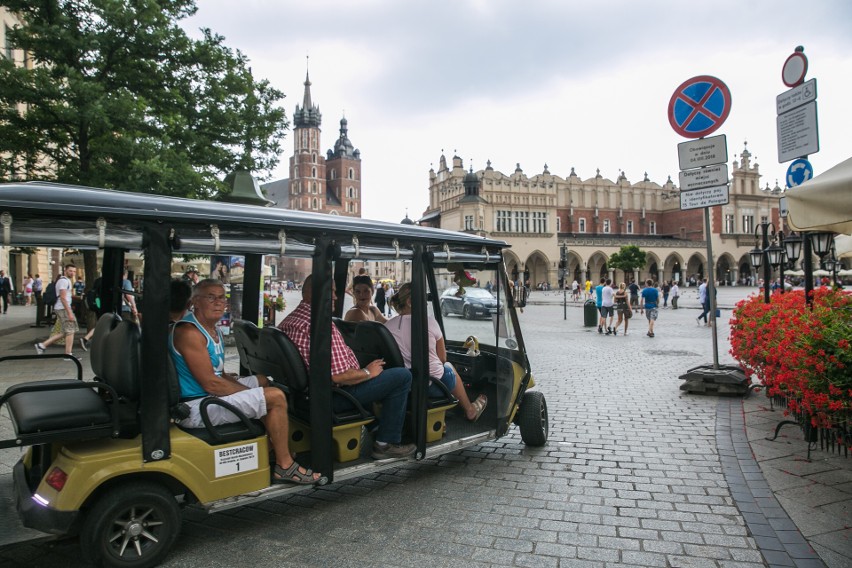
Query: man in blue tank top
{"type": "Point", "coordinates": [198, 350]}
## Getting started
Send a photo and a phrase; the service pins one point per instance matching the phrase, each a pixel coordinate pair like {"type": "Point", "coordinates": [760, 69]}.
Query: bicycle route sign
{"type": "Point", "coordinates": [699, 106]}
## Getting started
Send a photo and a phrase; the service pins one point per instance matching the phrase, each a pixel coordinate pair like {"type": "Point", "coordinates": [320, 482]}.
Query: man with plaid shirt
{"type": "Point", "coordinates": [370, 384]}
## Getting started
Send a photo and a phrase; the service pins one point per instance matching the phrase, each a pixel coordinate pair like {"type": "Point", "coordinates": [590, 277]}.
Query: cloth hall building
{"type": "Point", "coordinates": [592, 218]}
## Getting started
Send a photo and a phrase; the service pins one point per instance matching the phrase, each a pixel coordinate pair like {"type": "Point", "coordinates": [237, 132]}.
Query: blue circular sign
{"type": "Point", "coordinates": [799, 172]}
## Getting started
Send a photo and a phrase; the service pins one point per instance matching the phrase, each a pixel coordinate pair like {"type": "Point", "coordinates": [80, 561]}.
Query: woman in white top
{"type": "Point", "coordinates": [439, 369]}
{"type": "Point", "coordinates": [28, 289]}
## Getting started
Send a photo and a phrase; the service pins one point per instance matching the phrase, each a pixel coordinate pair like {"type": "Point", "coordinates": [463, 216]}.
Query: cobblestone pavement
{"type": "Point", "coordinates": [635, 473]}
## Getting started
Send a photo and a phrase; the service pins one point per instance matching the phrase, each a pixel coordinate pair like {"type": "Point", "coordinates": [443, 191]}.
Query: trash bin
{"type": "Point", "coordinates": [590, 314]}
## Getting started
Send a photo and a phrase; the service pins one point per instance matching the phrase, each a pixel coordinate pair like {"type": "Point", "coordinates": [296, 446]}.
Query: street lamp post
{"type": "Point", "coordinates": [563, 261]}
{"type": "Point", "coordinates": [757, 255]}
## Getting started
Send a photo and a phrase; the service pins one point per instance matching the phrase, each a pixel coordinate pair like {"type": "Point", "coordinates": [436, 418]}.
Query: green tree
{"type": "Point", "coordinates": [116, 95]}
{"type": "Point", "coordinates": [628, 258]}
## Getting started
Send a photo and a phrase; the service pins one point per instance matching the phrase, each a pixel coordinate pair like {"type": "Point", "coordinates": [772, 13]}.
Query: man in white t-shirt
{"type": "Point", "coordinates": [64, 313]}
{"type": "Point", "coordinates": [607, 302]}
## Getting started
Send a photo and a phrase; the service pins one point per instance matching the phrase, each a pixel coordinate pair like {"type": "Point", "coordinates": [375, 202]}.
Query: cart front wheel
{"type": "Point", "coordinates": [532, 419]}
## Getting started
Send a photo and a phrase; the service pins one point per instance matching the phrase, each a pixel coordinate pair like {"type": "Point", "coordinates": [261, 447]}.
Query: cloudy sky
{"type": "Point", "coordinates": [569, 83]}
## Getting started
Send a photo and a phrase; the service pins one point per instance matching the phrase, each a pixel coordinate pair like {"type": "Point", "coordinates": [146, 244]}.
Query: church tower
{"type": "Point", "coordinates": [344, 174]}
{"type": "Point", "coordinates": [307, 165]}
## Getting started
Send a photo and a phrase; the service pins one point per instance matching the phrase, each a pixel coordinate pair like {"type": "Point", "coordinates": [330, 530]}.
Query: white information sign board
{"type": "Point", "coordinates": [782, 207]}
{"type": "Point", "coordinates": [704, 177]}
{"type": "Point", "coordinates": [797, 133]}
{"type": "Point", "coordinates": [707, 197]}
{"type": "Point", "coordinates": [703, 152]}
{"type": "Point", "coordinates": [796, 97]}
{"type": "Point", "coordinates": [236, 459]}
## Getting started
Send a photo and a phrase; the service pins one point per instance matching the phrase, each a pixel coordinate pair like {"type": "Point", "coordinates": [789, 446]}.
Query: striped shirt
{"type": "Point", "coordinates": [297, 326]}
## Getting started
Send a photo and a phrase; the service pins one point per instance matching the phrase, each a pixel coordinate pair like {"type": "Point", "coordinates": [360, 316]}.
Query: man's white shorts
{"type": "Point", "coordinates": [251, 402]}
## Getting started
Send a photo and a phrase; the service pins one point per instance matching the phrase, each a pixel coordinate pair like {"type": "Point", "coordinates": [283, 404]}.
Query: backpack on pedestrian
{"type": "Point", "coordinates": [93, 296]}
{"type": "Point", "coordinates": [49, 297]}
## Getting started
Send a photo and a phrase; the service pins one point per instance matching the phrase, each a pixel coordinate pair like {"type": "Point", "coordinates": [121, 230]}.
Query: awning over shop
{"type": "Point", "coordinates": [823, 203]}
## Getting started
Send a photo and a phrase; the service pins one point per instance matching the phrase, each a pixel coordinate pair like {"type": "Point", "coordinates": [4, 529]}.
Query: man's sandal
{"type": "Point", "coordinates": [294, 476]}
{"type": "Point", "coordinates": [479, 405]}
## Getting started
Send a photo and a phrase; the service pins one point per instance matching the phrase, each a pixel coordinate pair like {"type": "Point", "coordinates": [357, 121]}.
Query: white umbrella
{"type": "Point", "coordinates": [822, 272]}
{"type": "Point", "coordinates": [844, 272]}
{"type": "Point", "coordinates": [794, 272]}
{"type": "Point", "coordinates": [823, 203]}
{"type": "Point", "coordinates": [843, 245]}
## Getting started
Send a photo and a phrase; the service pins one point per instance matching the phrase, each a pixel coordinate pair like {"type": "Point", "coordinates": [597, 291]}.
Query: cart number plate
{"type": "Point", "coordinates": [236, 459]}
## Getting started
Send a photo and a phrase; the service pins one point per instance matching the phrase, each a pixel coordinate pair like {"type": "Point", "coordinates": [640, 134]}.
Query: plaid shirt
{"type": "Point", "coordinates": [297, 326]}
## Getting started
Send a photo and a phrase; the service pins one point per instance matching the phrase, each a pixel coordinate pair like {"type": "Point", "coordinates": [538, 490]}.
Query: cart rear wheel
{"type": "Point", "coordinates": [532, 419]}
{"type": "Point", "coordinates": [131, 526]}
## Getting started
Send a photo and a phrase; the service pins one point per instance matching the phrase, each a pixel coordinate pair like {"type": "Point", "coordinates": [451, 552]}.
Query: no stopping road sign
{"type": "Point", "coordinates": [699, 106]}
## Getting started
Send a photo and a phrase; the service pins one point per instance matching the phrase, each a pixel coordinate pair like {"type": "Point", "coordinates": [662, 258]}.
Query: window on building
{"type": "Point", "coordinates": [313, 172]}
{"type": "Point", "coordinates": [581, 225]}
{"type": "Point", "coordinates": [558, 224]}
{"type": "Point", "coordinates": [314, 204]}
{"type": "Point", "coordinates": [730, 224]}
{"type": "Point", "coordinates": [333, 174]}
{"type": "Point", "coordinates": [652, 228]}
{"type": "Point", "coordinates": [313, 187]}
{"type": "Point", "coordinates": [504, 221]}
{"type": "Point", "coordinates": [606, 226]}
{"type": "Point", "coordinates": [351, 173]}
{"type": "Point", "coordinates": [748, 224]}
{"type": "Point", "coordinates": [522, 221]}
{"type": "Point", "coordinates": [539, 222]}
{"type": "Point", "coordinates": [314, 159]}
{"type": "Point", "coordinates": [629, 227]}
{"type": "Point", "coordinates": [9, 51]}
{"type": "Point", "coordinates": [468, 222]}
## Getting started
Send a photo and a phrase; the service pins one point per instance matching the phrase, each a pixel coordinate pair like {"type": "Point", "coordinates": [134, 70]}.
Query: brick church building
{"type": "Point", "coordinates": [329, 183]}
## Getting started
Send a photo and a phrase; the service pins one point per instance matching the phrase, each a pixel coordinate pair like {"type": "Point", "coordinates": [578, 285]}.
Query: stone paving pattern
{"type": "Point", "coordinates": [635, 473]}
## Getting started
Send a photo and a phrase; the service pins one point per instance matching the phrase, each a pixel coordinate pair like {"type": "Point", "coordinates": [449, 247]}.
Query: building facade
{"type": "Point", "coordinates": [19, 262]}
{"type": "Point", "coordinates": [323, 184]}
{"type": "Point", "coordinates": [545, 217]}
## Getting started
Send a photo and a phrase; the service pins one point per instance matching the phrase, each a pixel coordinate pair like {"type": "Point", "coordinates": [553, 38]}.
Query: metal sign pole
{"type": "Point", "coordinates": [711, 287]}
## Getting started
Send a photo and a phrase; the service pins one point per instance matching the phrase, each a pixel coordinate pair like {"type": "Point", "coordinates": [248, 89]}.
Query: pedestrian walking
{"type": "Point", "coordinates": [38, 286]}
{"type": "Point", "coordinates": [28, 290]}
{"type": "Point", "coordinates": [598, 300]}
{"type": "Point", "coordinates": [634, 294]}
{"type": "Point", "coordinates": [389, 292]}
{"type": "Point", "coordinates": [650, 300]}
{"type": "Point", "coordinates": [380, 299]}
{"type": "Point", "coordinates": [666, 289]}
{"type": "Point", "coordinates": [675, 294]}
{"type": "Point", "coordinates": [64, 314]}
{"type": "Point", "coordinates": [575, 290]}
{"type": "Point", "coordinates": [704, 299]}
{"type": "Point", "coordinates": [623, 307]}
{"type": "Point", "coordinates": [607, 303]}
{"type": "Point", "coordinates": [6, 289]}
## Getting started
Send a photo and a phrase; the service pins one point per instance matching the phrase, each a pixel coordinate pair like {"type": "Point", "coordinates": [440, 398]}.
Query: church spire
{"type": "Point", "coordinates": [306, 102]}
{"type": "Point", "coordinates": [308, 115]}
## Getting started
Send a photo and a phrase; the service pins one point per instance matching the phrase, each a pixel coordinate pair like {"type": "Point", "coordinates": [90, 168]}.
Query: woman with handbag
{"type": "Point", "coordinates": [623, 307]}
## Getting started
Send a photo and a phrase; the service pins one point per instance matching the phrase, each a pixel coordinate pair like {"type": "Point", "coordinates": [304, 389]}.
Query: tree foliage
{"type": "Point", "coordinates": [628, 259]}
{"type": "Point", "coordinates": [117, 95]}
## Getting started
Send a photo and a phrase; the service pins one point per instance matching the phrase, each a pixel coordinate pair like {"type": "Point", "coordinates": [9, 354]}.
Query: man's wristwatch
{"type": "Point", "coordinates": [366, 371]}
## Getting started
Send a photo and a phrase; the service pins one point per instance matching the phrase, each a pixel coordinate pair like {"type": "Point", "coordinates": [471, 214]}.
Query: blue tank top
{"type": "Point", "coordinates": [189, 387]}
